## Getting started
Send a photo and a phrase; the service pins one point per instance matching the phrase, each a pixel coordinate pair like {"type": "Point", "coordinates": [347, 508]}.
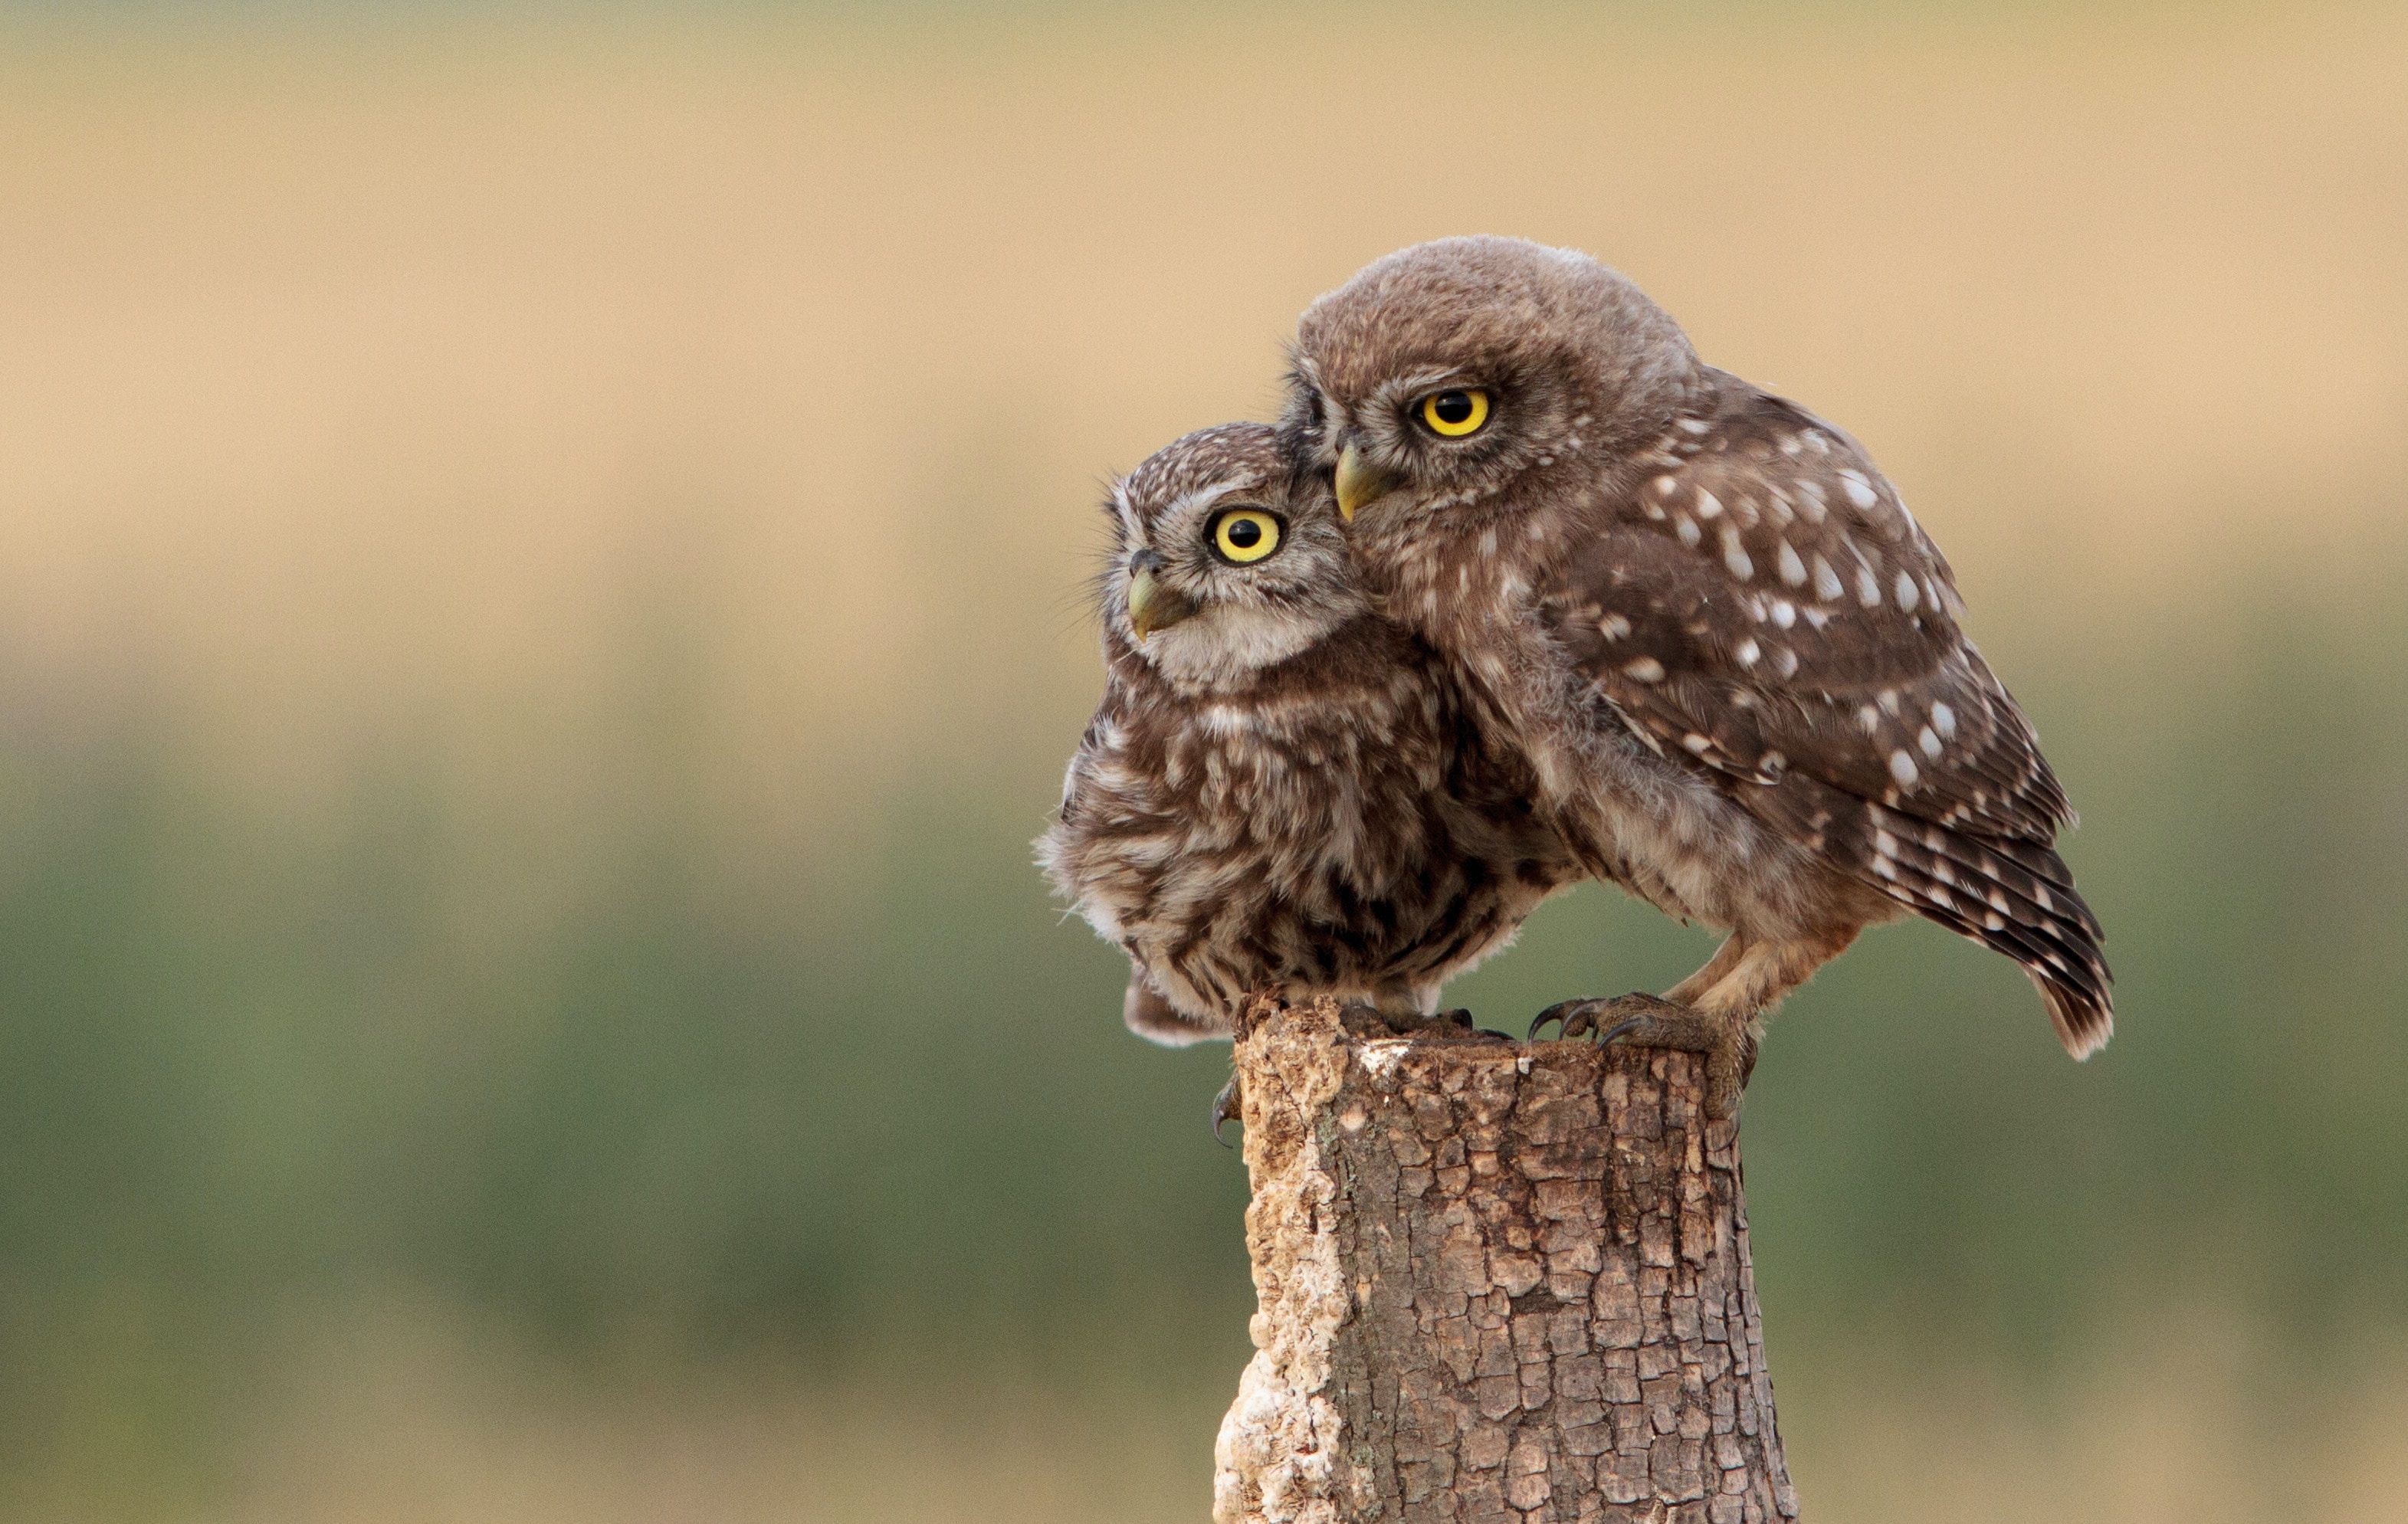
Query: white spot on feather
{"type": "Point", "coordinates": [1860, 491]}
{"type": "Point", "coordinates": [1646, 669]}
{"type": "Point", "coordinates": [1613, 627]}
{"type": "Point", "coordinates": [1784, 613]}
{"type": "Point", "coordinates": [1943, 719]}
{"type": "Point", "coordinates": [1687, 529]}
{"type": "Point", "coordinates": [1735, 555]}
{"type": "Point", "coordinates": [1867, 587]}
{"type": "Point", "coordinates": [1709, 505]}
{"type": "Point", "coordinates": [1748, 651]}
{"type": "Point", "coordinates": [1793, 570]}
{"type": "Point", "coordinates": [1902, 767]}
{"type": "Point", "coordinates": [1826, 582]}
{"type": "Point", "coordinates": [1930, 742]}
{"type": "Point", "coordinates": [1908, 594]}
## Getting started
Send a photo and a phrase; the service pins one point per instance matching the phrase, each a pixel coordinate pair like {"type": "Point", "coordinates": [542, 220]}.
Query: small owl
{"type": "Point", "coordinates": [1280, 790]}
{"type": "Point", "coordinates": [1727, 650]}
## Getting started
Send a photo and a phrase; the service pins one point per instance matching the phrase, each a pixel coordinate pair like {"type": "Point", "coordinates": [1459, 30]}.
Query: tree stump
{"type": "Point", "coordinates": [1496, 1282]}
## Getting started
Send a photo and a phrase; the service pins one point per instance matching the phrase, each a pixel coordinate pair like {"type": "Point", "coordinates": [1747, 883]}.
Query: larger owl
{"type": "Point", "coordinates": [1279, 791]}
{"type": "Point", "coordinates": [1727, 650]}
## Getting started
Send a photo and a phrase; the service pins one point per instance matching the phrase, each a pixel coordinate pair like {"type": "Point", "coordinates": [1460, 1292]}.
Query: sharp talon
{"type": "Point", "coordinates": [1557, 1012]}
{"type": "Point", "coordinates": [1225, 1109]}
{"type": "Point", "coordinates": [1652, 1021]}
{"type": "Point", "coordinates": [1620, 1029]}
{"type": "Point", "coordinates": [1492, 1031]}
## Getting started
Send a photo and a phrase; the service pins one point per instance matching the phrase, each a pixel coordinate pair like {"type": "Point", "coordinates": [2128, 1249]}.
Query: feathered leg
{"type": "Point", "coordinates": [1716, 1012]}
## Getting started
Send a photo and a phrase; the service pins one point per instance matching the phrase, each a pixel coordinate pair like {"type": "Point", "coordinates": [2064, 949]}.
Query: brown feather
{"type": "Point", "coordinates": [1731, 656]}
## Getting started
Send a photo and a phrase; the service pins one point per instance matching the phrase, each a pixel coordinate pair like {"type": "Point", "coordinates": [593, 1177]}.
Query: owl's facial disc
{"type": "Point", "coordinates": [1470, 378]}
{"type": "Point", "coordinates": [1413, 431]}
{"type": "Point", "coordinates": [1228, 561]}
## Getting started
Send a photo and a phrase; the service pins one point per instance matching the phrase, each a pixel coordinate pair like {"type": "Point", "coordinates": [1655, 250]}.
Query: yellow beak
{"type": "Point", "coordinates": [1153, 606]}
{"type": "Point", "coordinates": [1358, 482]}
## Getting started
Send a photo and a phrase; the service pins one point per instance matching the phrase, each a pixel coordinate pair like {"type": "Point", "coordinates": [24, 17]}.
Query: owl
{"type": "Point", "coordinates": [1279, 792]}
{"type": "Point", "coordinates": [1731, 658]}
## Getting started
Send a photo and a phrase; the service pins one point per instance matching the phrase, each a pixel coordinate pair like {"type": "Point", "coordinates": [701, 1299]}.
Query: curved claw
{"type": "Point", "coordinates": [1224, 1110]}
{"type": "Point", "coordinates": [1620, 1029]}
{"type": "Point", "coordinates": [1560, 1011]}
{"type": "Point", "coordinates": [1654, 1021]}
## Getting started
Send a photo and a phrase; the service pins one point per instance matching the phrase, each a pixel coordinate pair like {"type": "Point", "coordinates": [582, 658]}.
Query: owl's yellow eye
{"type": "Point", "coordinates": [1457, 411]}
{"type": "Point", "coordinates": [1243, 536]}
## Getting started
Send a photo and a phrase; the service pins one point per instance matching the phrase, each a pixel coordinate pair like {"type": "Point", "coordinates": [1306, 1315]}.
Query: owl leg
{"type": "Point", "coordinates": [1407, 1013]}
{"type": "Point", "coordinates": [1653, 1021]}
{"type": "Point", "coordinates": [1717, 1011]}
{"type": "Point", "coordinates": [1749, 975]}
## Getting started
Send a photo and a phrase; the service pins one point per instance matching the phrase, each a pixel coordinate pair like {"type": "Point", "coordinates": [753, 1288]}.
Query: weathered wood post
{"type": "Point", "coordinates": [1498, 1282]}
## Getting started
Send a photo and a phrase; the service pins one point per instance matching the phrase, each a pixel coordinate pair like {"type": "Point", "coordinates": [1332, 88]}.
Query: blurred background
{"type": "Point", "coordinates": [538, 615]}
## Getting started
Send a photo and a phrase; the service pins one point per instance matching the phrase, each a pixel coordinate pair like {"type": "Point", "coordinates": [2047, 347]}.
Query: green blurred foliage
{"type": "Point", "coordinates": [638, 463]}
{"type": "Point", "coordinates": [872, 1108]}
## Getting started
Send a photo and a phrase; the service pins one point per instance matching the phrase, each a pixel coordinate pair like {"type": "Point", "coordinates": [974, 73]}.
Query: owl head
{"type": "Point", "coordinates": [1226, 558]}
{"type": "Point", "coordinates": [1450, 370]}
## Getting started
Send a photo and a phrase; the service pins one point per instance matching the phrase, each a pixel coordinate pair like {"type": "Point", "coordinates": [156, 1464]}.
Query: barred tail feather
{"type": "Point", "coordinates": [1969, 885]}
{"type": "Point", "coordinates": [2084, 1019]}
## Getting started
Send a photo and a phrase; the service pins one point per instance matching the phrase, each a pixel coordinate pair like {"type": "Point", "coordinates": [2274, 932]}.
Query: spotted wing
{"type": "Point", "coordinates": [1763, 608]}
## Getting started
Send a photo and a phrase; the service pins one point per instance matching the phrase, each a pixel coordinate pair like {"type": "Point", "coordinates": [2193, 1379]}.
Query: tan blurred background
{"type": "Point", "coordinates": [538, 612]}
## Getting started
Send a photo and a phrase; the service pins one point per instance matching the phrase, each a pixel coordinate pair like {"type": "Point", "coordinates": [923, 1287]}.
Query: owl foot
{"type": "Point", "coordinates": [1225, 1107]}
{"type": "Point", "coordinates": [1651, 1022]}
{"type": "Point", "coordinates": [1454, 1024]}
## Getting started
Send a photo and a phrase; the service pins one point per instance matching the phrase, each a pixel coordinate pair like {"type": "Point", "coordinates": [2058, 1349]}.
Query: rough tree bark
{"type": "Point", "coordinates": [1498, 1282]}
